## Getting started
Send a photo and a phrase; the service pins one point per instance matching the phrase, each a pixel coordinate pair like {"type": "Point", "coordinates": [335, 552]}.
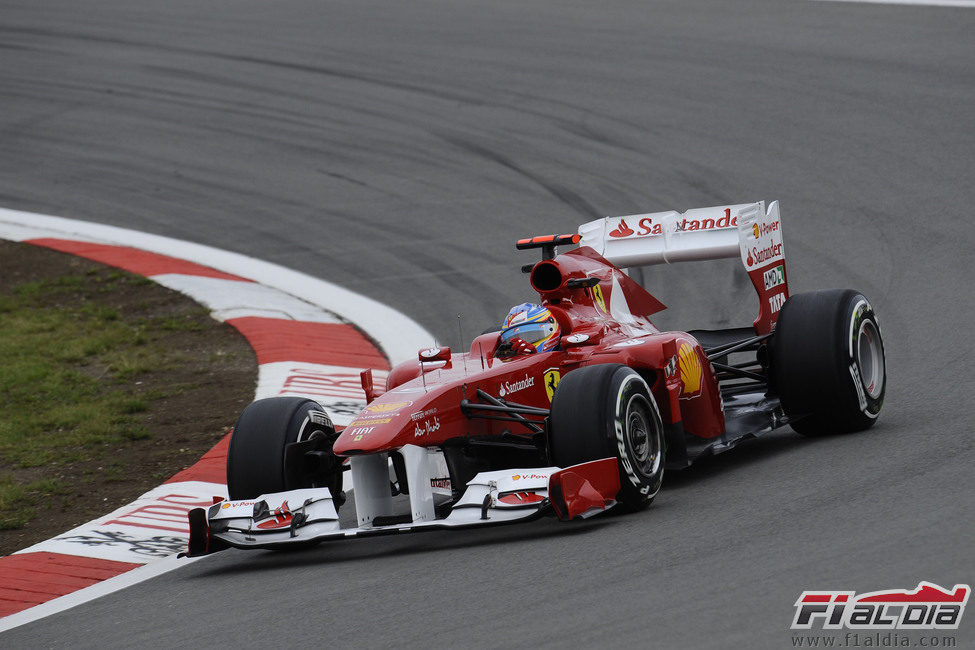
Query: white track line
{"type": "Point", "coordinates": [398, 336]}
{"type": "Point", "coordinates": [920, 3]}
{"type": "Point", "coordinates": [82, 596]}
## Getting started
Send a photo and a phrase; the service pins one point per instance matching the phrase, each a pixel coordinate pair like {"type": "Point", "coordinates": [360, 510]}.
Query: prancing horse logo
{"type": "Point", "coordinates": [552, 378]}
{"type": "Point", "coordinates": [597, 297]}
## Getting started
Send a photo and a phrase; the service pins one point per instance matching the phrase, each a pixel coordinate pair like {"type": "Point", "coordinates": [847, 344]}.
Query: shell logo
{"type": "Point", "coordinates": [690, 369]}
{"type": "Point", "coordinates": [755, 230]}
{"type": "Point", "coordinates": [385, 408]}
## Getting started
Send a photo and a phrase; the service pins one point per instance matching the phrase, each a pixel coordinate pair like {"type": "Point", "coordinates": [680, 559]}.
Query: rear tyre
{"type": "Point", "coordinates": [607, 411]}
{"type": "Point", "coordinates": [827, 362]}
{"type": "Point", "coordinates": [256, 459]}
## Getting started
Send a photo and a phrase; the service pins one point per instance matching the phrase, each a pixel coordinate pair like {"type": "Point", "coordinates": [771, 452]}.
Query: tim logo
{"type": "Point", "coordinates": [929, 607]}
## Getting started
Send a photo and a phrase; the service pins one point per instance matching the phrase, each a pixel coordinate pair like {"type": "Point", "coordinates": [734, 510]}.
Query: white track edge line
{"type": "Point", "coordinates": [97, 590]}
{"type": "Point", "coordinates": [398, 335]}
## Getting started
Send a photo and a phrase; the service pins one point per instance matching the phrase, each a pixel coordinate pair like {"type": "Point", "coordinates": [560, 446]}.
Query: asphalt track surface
{"type": "Point", "coordinates": [399, 149]}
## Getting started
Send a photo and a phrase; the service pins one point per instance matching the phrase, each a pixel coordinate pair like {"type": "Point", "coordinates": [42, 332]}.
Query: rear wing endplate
{"type": "Point", "coordinates": [745, 230]}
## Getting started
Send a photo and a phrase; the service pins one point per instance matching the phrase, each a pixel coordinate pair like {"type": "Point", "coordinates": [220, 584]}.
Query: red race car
{"type": "Point", "coordinates": [574, 405]}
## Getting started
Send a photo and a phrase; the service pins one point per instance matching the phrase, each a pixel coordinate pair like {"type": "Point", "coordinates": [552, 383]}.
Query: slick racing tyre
{"type": "Point", "coordinates": [607, 411]}
{"type": "Point", "coordinates": [827, 362]}
{"type": "Point", "coordinates": [256, 461]}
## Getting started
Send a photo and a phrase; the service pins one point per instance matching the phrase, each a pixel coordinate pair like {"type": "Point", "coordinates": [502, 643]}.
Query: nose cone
{"type": "Point", "coordinates": [379, 426]}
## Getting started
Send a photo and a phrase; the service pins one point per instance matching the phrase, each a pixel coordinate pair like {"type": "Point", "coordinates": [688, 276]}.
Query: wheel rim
{"type": "Point", "coordinates": [641, 436]}
{"type": "Point", "coordinates": [870, 359]}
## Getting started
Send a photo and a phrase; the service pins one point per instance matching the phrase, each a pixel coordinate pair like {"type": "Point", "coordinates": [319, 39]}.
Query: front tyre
{"type": "Point", "coordinates": [607, 411]}
{"type": "Point", "coordinates": [256, 461]}
{"type": "Point", "coordinates": [827, 362]}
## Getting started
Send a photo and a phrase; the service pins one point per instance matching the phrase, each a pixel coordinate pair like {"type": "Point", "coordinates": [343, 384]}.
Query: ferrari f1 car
{"type": "Point", "coordinates": [507, 431]}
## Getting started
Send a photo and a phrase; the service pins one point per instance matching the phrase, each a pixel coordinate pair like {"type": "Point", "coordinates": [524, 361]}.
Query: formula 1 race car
{"type": "Point", "coordinates": [575, 406]}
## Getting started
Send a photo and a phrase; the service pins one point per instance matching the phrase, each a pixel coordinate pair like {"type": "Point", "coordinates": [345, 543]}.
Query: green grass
{"type": "Point", "coordinates": [17, 500]}
{"type": "Point", "coordinates": [66, 383]}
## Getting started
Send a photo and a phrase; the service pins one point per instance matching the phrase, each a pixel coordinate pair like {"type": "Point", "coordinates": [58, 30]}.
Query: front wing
{"type": "Point", "coordinates": [300, 517]}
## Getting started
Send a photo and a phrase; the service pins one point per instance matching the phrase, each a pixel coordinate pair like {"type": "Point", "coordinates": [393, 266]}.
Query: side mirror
{"type": "Point", "coordinates": [434, 354]}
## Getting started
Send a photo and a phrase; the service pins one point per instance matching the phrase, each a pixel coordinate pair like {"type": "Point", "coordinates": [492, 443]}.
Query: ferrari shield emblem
{"type": "Point", "coordinates": [597, 297]}
{"type": "Point", "coordinates": [552, 377]}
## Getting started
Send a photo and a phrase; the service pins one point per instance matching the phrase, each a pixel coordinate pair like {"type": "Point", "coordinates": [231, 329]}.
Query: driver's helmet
{"type": "Point", "coordinates": [533, 324]}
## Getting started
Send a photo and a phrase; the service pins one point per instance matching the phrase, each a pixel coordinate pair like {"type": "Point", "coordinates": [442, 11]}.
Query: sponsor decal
{"type": "Point", "coordinates": [577, 338]}
{"type": "Point", "coordinates": [858, 384]}
{"type": "Point", "coordinates": [429, 353]}
{"type": "Point", "coordinates": [775, 302]}
{"type": "Point", "coordinates": [369, 421]}
{"type": "Point", "coordinates": [928, 607]}
{"type": "Point", "coordinates": [320, 417]}
{"type": "Point", "coordinates": [358, 433]}
{"type": "Point", "coordinates": [235, 504]}
{"type": "Point", "coordinates": [646, 227]}
{"type": "Point", "coordinates": [622, 230]}
{"type": "Point", "coordinates": [514, 386]}
{"type": "Point", "coordinates": [442, 483]}
{"type": "Point", "coordinates": [597, 298]}
{"type": "Point", "coordinates": [726, 221]}
{"type": "Point", "coordinates": [762, 229]}
{"type": "Point", "coordinates": [767, 236]}
{"type": "Point", "coordinates": [526, 477]}
{"type": "Point", "coordinates": [552, 379]}
{"type": "Point", "coordinates": [671, 368]}
{"type": "Point", "coordinates": [767, 254]}
{"type": "Point", "coordinates": [426, 427]}
{"type": "Point", "coordinates": [690, 369]}
{"type": "Point", "coordinates": [388, 407]}
{"type": "Point", "coordinates": [419, 415]}
{"type": "Point", "coordinates": [774, 277]}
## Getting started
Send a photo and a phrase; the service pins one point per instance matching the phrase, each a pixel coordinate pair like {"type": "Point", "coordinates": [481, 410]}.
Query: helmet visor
{"type": "Point", "coordinates": [533, 333]}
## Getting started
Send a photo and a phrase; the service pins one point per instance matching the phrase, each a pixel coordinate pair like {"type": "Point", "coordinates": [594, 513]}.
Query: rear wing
{"type": "Point", "coordinates": [746, 231]}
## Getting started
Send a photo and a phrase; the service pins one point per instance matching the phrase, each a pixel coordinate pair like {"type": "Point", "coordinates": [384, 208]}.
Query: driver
{"type": "Point", "coordinates": [529, 328]}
